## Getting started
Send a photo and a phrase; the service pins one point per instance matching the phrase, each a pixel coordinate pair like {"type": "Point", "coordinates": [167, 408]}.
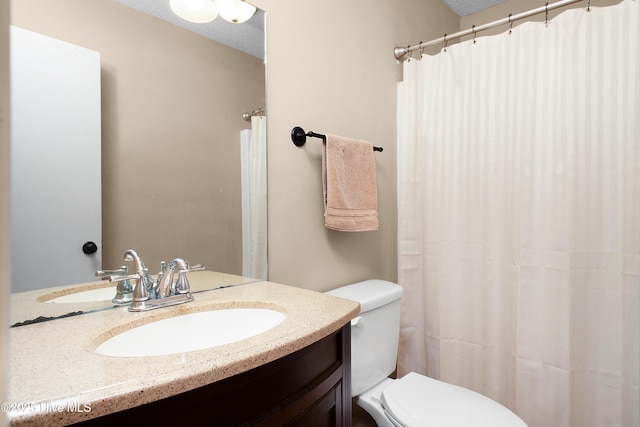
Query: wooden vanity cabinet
{"type": "Point", "coordinates": [311, 387]}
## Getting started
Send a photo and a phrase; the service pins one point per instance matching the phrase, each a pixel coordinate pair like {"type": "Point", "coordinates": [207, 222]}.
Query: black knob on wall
{"type": "Point", "coordinates": [89, 248]}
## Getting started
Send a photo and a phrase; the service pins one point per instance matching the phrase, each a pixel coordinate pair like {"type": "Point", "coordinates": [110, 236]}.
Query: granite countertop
{"type": "Point", "coordinates": [56, 378]}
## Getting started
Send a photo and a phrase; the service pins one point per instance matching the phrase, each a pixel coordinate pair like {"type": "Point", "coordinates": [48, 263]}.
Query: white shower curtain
{"type": "Point", "coordinates": [519, 217]}
{"type": "Point", "coordinates": [259, 197]}
{"type": "Point", "coordinates": [253, 154]}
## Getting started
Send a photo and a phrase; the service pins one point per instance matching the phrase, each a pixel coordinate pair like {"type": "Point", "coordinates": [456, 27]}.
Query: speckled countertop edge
{"type": "Point", "coordinates": [53, 365]}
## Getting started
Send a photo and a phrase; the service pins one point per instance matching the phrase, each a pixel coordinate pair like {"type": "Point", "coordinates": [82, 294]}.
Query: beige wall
{"type": "Point", "coordinates": [331, 69]}
{"type": "Point", "coordinates": [328, 71]}
{"type": "Point", "coordinates": [172, 105]}
{"type": "Point", "coordinates": [4, 201]}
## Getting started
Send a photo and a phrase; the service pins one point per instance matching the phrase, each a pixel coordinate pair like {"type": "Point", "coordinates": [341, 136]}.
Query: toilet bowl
{"type": "Point", "coordinates": [413, 400]}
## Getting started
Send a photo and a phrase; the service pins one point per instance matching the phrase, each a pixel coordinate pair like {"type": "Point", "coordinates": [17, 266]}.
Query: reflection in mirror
{"type": "Point", "coordinates": [172, 104]}
{"type": "Point", "coordinates": [72, 300]}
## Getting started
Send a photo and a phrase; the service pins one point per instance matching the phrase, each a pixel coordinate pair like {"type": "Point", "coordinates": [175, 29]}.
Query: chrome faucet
{"type": "Point", "coordinates": [167, 287]}
{"type": "Point", "coordinates": [124, 290]}
{"type": "Point", "coordinates": [146, 294]}
{"type": "Point", "coordinates": [132, 255]}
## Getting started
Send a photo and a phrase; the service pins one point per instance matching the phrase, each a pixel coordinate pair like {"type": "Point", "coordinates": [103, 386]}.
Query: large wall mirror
{"type": "Point", "coordinates": [172, 107]}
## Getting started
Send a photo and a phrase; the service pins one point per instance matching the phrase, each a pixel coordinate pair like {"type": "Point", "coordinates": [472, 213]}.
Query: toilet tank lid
{"type": "Point", "coordinates": [370, 294]}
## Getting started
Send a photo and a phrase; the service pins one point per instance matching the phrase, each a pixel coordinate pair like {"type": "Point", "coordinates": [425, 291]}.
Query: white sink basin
{"type": "Point", "coordinates": [92, 295]}
{"type": "Point", "coordinates": [191, 332]}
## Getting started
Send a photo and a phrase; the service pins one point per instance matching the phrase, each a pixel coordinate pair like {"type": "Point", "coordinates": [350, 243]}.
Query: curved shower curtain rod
{"type": "Point", "coordinates": [401, 53]}
{"type": "Point", "coordinates": [259, 112]}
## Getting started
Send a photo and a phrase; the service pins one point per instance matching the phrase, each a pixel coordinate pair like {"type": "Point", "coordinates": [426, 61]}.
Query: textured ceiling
{"type": "Point", "coordinates": [247, 37]}
{"type": "Point", "coordinates": [468, 7]}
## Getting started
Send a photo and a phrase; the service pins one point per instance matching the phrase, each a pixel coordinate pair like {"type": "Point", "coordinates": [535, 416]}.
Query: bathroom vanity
{"type": "Point", "coordinates": [296, 373]}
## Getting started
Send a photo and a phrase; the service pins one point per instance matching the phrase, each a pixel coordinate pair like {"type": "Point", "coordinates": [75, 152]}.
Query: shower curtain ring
{"type": "Point", "coordinates": [445, 41]}
{"type": "Point", "coordinates": [473, 29]}
{"type": "Point", "coordinates": [546, 14]}
{"type": "Point", "coordinates": [410, 53]}
{"type": "Point", "coordinates": [510, 24]}
{"type": "Point", "coordinates": [421, 50]}
{"type": "Point", "coordinates": [588, 5]}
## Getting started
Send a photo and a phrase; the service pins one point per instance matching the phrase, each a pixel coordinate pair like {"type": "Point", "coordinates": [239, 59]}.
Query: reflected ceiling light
{"type": "Point", "coordinates": [199, 11]}
{"type": "Point", "coordinates": [235, 11]}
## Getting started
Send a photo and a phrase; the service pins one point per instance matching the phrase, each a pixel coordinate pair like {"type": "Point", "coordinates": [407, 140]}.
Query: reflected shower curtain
{"type": "Point", "coordinates": [253, 154]}
{"type": "Point", "coordinates": [259, 197]}
{"type": "Point", "coordinates": [519, 217]}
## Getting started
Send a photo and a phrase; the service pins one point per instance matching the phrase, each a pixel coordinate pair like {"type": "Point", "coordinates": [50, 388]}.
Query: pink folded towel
{"type": "Point", "coordinates": [349, 184]}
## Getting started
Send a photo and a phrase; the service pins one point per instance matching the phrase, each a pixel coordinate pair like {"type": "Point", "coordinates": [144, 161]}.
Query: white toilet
{"type": "Point", "coordinates": [413, 400]}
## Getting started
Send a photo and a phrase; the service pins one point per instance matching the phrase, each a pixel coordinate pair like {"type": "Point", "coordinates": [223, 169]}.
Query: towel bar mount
{"type": "Point", "coordinates": [299, 137]}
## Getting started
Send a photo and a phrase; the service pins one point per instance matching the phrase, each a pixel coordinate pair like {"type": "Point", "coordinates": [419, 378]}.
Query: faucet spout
{"type": "Point", "coordinates": [164, 287]}
{"type": "Point", "coordinates": [132, 255]}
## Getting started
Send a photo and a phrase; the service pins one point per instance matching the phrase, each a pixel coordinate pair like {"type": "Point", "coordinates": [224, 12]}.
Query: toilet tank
{"type": "Point", "coordinates": [374, 333]}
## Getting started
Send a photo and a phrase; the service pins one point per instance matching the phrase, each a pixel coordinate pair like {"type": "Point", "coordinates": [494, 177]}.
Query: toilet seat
{"type": "Point", "coordinates": [416, 400]}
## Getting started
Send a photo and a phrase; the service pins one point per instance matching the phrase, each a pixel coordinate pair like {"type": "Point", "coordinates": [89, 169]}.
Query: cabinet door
{"type": "Point", "coordinates": [55, 202]}
{"type": "Point", "coordinates": [326, 412]}
{"type": "Point", "coordinates": [310, 387]}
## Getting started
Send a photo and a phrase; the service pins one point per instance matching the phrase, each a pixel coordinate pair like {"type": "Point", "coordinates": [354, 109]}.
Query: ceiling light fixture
{"type": "Point", "coordinates": [198, 11]}
{"type": "Point", "coordinates": [235, 11]}
{"type": "Point", "coordinates": [202, 11]}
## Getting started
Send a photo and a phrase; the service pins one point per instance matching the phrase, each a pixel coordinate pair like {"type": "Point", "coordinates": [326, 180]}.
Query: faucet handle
{"type": "Point", "coordinates": [182, 284]}
{"type": "Point", "coordinates": [120, 278]}
{"type": "Point", "coordinates": [124, 290]}
{"type": "Point", "coordinates": [140, 291]}
{"type": "Point", "coordinates": [121, 271]}
{"type": "Point", "coordinates": [197, 267]}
